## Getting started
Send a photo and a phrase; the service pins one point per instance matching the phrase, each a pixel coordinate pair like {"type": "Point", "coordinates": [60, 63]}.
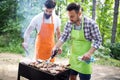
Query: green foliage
{"type": "Point", "coordinates": [115, 50]}
{"type": "Point", "coordinates": [66, 49]}
{"type": "Point", "coordinates": [118, 29]}
{"type": "Point", "coordinates": [109, 50]}
{"type": "Point", "coordinates": [105, 18]}
{"type": "Point", "coordinates": [87, 9]}
{"type": "Point", "coordinates": [10, 39]}
{"type": "Point", "coordinates": [102, 56]}
{"type": "Point", "coordinates": [7, 7]}
{"type": "Point", "coordinates": [108, 61]}
{"type": "Point", "coordinates": [103, 52]}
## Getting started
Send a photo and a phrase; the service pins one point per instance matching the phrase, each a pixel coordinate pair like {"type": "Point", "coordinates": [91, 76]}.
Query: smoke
{"type": "Point", "coordinates": [27, 9]}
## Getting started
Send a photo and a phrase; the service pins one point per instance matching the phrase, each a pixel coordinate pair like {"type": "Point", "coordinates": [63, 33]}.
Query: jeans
{"type": "Point", "coordinates": [81, 76]}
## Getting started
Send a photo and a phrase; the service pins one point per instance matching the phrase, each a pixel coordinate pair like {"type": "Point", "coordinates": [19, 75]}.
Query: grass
{"type": "Point", "coordinates": [108, 62]}
{"type": "Point", "coordinates": [12, 49]}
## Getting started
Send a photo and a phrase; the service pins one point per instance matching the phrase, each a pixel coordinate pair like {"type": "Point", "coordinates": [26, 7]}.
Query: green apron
{"type": "Point", "coordinates": [79, 46]}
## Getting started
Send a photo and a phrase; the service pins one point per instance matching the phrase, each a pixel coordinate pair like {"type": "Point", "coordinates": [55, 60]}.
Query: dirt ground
{"type": "Point", "coordinates": [9, 68]}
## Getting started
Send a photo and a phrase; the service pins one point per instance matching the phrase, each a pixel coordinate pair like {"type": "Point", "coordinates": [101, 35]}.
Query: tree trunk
{"type": "Point", "coordinates": [116, 8]}
{"type": "Point", "coordinates": [93, 9]}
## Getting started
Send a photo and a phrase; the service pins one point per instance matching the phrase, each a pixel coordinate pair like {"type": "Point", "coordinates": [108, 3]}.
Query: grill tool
{"type": "Point", "coordinates": [52, 56]}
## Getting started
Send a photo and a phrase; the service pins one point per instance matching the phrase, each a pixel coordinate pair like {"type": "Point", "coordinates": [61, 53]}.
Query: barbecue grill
{"type": "Point", "coordinates": [33, 73]}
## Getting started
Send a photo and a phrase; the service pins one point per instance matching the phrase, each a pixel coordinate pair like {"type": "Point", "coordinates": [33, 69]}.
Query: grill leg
{"type": "Point", "coordinates": [68, 75]}
{"type": "Point", "coordinates": [18, 78]}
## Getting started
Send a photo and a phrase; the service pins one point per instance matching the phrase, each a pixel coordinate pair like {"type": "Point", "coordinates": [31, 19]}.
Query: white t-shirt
{"type": "Point", "coordinates": [36, 24]}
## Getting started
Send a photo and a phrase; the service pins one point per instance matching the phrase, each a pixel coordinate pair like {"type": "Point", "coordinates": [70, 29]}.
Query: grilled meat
{"type": "Point", "coordinates": [51, 67]}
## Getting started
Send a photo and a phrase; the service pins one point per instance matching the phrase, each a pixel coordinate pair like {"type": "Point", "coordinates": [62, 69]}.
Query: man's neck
{"type": "Point", "coordinates": [78, 23]}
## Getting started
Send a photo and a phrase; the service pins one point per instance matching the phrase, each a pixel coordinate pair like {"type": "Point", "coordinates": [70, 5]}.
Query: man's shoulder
{"type": "Point", "coordinates": [38, 16]}
{"type": "Point", "coordinates": [88, 20]}
{"type": "Point", "coordinates": [56, 17]}
{"type": "Point", "coordinates": [68, 23]}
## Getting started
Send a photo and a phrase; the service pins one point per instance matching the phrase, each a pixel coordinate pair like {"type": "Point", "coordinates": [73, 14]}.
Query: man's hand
{"type": "Point", "coordinates": [24, 45]}
{"type": "Point", "coordinates": [86, 56]}
{"type": "Point", "coordinates": [56, 50]}
{"type": "Point", "coordinates": [59, 50]}
{"type": "Point", "coordinates": [57, 47]}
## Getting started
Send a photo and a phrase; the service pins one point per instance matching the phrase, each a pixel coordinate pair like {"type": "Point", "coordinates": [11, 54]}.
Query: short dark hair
{"type": "Point", "coordinates": [50, 4]}
{"type": "Point", "coordinates": [73, 6]}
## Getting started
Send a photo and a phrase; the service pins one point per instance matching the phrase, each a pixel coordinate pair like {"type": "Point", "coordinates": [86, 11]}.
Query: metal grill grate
{"type": "Point", "coordinates": [32, 73]}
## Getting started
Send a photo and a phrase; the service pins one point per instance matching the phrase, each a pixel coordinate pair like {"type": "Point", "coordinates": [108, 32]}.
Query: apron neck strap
{"type": "Point", "coordinates": [82, 20]}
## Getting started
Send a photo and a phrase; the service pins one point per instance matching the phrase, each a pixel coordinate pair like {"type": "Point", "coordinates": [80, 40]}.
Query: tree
{"type": "Point", "coordinates": [7, 12]}
{"type": "Point", "coordinates": [116, 8]}
{"type": "Point", "coordinates": [93, 9]}
{"type": "Point", "coordinates": [104, 19]}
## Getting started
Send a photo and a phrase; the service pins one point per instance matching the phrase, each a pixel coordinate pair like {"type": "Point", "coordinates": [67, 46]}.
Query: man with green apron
{"type": "Point", "coordinates": [85, 39]}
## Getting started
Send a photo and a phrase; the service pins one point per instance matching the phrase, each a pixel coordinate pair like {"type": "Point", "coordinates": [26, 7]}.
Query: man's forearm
{"type": "Point", "coordinates": [92, 50]}
{"type": "Point", "coordinates": [87, 55]}
{"type": "Point", "coordinates": [58, 33]}
{"type": "Point", "coordinates": [58, 44]}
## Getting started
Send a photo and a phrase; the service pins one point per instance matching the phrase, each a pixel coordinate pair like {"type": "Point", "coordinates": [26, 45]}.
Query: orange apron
{"type": "Point", "coordinates": [45, 41]}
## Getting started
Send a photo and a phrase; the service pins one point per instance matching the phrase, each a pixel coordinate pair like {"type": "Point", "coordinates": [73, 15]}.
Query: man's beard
{"type": "Point", "coordinates": [47, 16]}
{"type": "Point", "coordinates": [76, 21]}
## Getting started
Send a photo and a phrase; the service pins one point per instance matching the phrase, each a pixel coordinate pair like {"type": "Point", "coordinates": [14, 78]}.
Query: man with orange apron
{"type": "Point", "coordinates": [46, 24]}
{"type": "Point", "coordinates": [45, 41]}
{"type": "Point", "coordinates": [85, 39]}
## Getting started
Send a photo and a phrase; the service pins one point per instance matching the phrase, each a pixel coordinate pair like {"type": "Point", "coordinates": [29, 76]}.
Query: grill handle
{"type": "Point", "coordinates": [54, 53]}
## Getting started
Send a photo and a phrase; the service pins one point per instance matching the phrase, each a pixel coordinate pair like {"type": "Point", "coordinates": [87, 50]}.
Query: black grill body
{"type": "Point", "coordinates": [32, 73]}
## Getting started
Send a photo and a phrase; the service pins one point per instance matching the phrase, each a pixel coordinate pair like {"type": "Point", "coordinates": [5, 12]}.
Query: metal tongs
{"type": "Point", "coordinates": [52, 56]}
